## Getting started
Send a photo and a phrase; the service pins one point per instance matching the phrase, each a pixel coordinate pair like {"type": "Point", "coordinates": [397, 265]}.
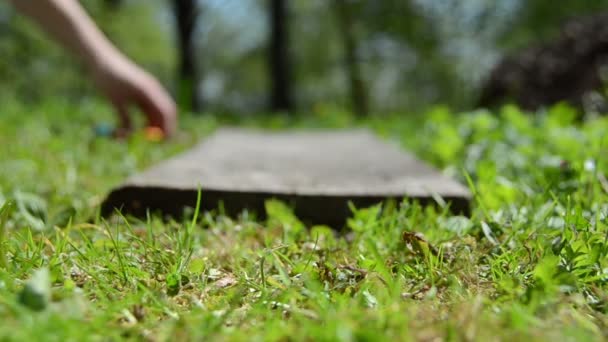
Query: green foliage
{"type": "Point", "coordinates": [139, 30]}
{"type": "Point", "coordinates": [538, 19]}
{"type": "Point", "coordinates": [279, 213]}
{"type": "Point", "coordinates": [5, 214]}
{"type": "Point", "coordinates": [36, 293]}
{"type": "Point", "coordinates": [529, 262]}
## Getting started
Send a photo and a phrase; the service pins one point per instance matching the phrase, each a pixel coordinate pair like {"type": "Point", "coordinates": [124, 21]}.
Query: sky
{"type": "Point", "coordinates": [459, 21]}
{"type": "Point", "coordinates": [244, 17]}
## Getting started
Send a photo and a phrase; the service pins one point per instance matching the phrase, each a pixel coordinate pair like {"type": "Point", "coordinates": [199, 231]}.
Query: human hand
{"type": "Point", "coordinates": [123, 82]}
{"type": "Point", "coordinates": [125, 85]}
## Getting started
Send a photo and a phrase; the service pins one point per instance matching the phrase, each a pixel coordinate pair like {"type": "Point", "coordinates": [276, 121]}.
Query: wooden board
{"type": "Point", "coordinates": [318, 172]}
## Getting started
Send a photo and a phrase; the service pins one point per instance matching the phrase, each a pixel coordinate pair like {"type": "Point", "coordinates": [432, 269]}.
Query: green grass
{"type": "Point", "coordinates": [530, 263]}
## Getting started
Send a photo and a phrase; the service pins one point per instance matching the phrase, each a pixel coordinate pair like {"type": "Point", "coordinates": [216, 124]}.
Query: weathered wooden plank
{"type": "Point", "coordinates": [317, 172]}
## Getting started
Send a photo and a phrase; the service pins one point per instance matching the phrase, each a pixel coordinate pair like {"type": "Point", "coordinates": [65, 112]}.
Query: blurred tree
{"type": "Point", "coordinates": [398, 52]}
{"type": "Point", "coordinates": [186, 15]}
{"type": "Point", "coordinates": [281, 98]}
{"type": "Point", "coordinates": [550, 53]}
{"type": "Point", "coordinates": [358, 91]}
{"type": "Point", "coordinates": [539, 20]}
{"type": "Point", "coordinates": [114, 4]}
{"type": "Point", "coordinates": [571, 67]}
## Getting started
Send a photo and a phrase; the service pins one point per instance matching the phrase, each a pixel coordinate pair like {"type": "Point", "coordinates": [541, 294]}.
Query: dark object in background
{"type": "Point", "coordinates": [358, 93]}
{"type": "Point", "coordinates": [186, 14]}
{"type": "Point", "coordinates": [318, 172]}
{"type": "Point", "coordinates": [279, 58]}
{"type": "Point", "coordinates": [570, 68]}
{"type": "Point", "coordinates": [114, 4]}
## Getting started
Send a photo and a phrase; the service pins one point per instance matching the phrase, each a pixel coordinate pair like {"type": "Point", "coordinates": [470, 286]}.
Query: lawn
{"type": "Point", "coordinates": [531, 262]}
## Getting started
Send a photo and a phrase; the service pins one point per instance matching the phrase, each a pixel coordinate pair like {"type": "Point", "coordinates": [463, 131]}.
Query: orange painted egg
{"type": "Point", "coordinates": [154, 134]}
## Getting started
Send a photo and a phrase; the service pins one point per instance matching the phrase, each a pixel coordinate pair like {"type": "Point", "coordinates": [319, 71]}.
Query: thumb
{"type": "Point", "coordinates": [158, 107]}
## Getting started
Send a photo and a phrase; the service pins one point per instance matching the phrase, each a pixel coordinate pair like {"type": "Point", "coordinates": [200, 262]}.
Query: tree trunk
{"type": "Point", "coordinates": [186, 14]}
{"type": "Point", "coordinates": [279, 58]}
{"type": "Point", "coordinates": [113, 4]}
{"type": "Point", "coordinates": [358, 93]}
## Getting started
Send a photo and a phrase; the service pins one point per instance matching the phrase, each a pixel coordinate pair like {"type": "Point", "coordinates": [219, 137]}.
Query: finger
{"type": "Point", "coordinates": [159, 108]}
{"type": "Point", "coordinates": [125, 124]}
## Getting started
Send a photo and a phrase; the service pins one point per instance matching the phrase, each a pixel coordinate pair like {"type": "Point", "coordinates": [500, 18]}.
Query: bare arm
{"type": "Point", "coordinates": [123, 82]}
